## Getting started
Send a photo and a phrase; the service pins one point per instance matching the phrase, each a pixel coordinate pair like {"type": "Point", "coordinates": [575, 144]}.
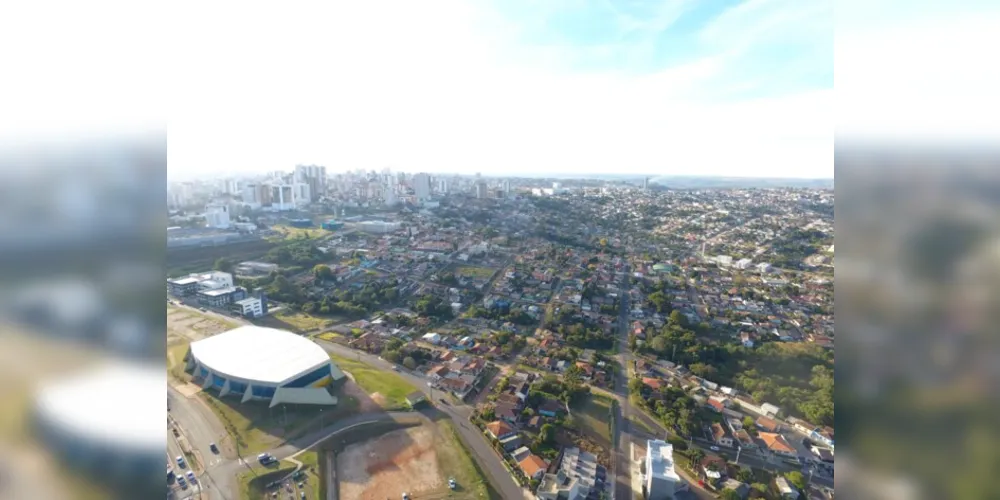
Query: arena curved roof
{"type": "Point", "coordinates": [259, 354]}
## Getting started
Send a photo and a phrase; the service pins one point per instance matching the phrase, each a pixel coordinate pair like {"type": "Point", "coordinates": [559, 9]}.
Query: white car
{"type": "Point", "coordinates": [451, 483]}
{"type": "Point", "coordinates": [713, 448]}
{"type": "Point", "coordinates": [406, 497]}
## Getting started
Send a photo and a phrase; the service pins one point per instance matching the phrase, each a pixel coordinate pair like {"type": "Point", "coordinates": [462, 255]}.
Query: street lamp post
{"type": "Point", "coordinates": [738, 450]}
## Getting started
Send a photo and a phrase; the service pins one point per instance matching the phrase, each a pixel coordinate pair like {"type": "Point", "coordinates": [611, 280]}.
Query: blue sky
{"type": "Point", "coordinates": [697, 87]}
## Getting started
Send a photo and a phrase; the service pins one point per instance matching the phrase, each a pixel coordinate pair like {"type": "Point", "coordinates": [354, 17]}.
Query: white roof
{"type": "Point", "coordinates": [259, 354]}
{"type": "Point", "coordinates": [90, 407]}
{"type": "Point", "coordinates": [660, 460]}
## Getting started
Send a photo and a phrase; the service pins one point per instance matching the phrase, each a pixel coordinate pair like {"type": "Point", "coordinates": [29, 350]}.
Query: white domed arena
{"type": "Point", "coordinates": [255, 363]}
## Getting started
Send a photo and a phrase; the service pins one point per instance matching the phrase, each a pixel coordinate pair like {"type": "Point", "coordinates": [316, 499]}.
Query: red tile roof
{"type": "Point", "coordinates": [532, 465]}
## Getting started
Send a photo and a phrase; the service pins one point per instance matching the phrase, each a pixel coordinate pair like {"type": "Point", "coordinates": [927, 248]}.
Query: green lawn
{"type": "Point", "coordinates": [474, 272]}
{"type": "Point", "coordinates": [256, 428]}
{"type": "Point", "coordinates": [593, 417]}
{"type": "Point", "coordinates": [329, 336]}
{"type": "Point", "coordinates": [297, 232]}
{"type": "Point", "coordinates": [454, 458]}
{"type": "Point", "coordinates": [175, 360]}
{"type": "Point", "coordinates": [301, 321]}
{"type": "Point", "coordinates": [372, 380]}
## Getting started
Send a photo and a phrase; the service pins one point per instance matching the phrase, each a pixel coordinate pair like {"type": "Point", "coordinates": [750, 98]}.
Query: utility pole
{"type": "Point", "coordinates": [738, 450]}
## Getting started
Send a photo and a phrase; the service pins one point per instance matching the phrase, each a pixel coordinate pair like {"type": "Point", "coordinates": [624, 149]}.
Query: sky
{"type": "Point", "coordinates": [671, 87]}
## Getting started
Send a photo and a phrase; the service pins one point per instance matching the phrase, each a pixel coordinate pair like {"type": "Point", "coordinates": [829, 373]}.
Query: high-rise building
{"type": "Point", "coordinates": [506, 187]}
{"type": "Point", "coordinates": [645, 183]}
{"type": "Point", "coordinates": [661, 478]}
{"type": "Point", "coordinates": [443, 186]}
{"type": "Point", "coordinates": [315, 177]}
{"type": "Point", "coordinates": [480, 190]}
{"type": "Point", "coordinates": [422, 186]}
{"type": "Point", "coordinates": [217, 216]}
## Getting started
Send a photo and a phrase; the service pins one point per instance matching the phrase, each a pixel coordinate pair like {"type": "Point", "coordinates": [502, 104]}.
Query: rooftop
{"type": "Point", "coordinates": [660, 460]}
{"type": "Point", "coordinates": [260, 354]}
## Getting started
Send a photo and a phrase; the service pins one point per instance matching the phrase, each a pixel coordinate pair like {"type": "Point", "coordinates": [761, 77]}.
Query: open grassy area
{"type": "Point", "coordinates": [642, 425]}
{"type": "Point", "coordinates": [175, 360]}
{"type": "Point", "coordinates": [454, 458]}
{"type": "Point", "coordinates": [291, 232]}
{"type": "Point", "coordinates": [593, 417]}
{"type": "Point", "coordinates": [474, 272]}
{"type": "Point", "coordinates": [390, 386]}
{"type": "Point", "coordinates": [256, 428]}
{"type": "Point", "coordinates": [302, 322]}
{"type": "Point", "coordinates": [329, 336]}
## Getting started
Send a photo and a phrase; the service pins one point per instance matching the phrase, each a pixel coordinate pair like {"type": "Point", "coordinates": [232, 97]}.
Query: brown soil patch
{"type": "Point", "coordinates": [366, 403]}
{"type": "Point", "coordinates": [403, 460]}
{"type": "Point", "coordinates": [191, 325]}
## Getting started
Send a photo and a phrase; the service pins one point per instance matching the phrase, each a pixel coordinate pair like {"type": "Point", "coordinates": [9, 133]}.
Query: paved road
{"type": "Point", "coordinates": [472, 437]}
{"type": "Point", "coordinates": [622, 435]}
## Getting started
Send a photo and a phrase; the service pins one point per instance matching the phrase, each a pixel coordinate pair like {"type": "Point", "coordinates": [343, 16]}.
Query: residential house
{"type": "Point", "coordinates": [786, 490]}
{"type": "Point", "coordinates": [534, 423]}
{"type": "Point", "coordinates": [511, 442]}
{"type": "Point", "coordinates": [551, 408]}
{"type": "Point", "coordinates": [741, 489]}
{"type": "Point", "coordinates": [768, 425]}
{"type": "Point", "coordinates": [776, 444]}
{"type": "Point", "coordinates": [507, 412]}
{"type": "Point", "coordinates": [713, 467]}
{"type": "Point", "coordinates": [457, 386]}
{"type": "Point", "coordinates": [716, 405]}
{"type": "Point", "coordinates": [653, 383]}
{"type": "Point", "coordinates": [520, 453]}
{"type": "Point", "coordinates": [437, 373]}
{"type": "Point", "coordinates": [720, 437]}
{"type": "Point", "coordinates": [499, 429]}
{"type": "Point", "coordinates": [511, 399]}
{"type": "Point", "coordinates": [744, 440]}
{"type": "Point", "coordinates": [533, 466]}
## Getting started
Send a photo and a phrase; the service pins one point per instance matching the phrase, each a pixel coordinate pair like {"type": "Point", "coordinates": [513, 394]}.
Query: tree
{"type": "Point", "coordinates": [729, 494]}
{"type": "Point", "coordinates": [322, 272]}
{"type": "Point", "coordinates": [409, 363]}
{"type": "Point", "coordinates": [696, 456]}
{"type": "Point", "coordinates": [795, 477]}
{"type": "Point", "coordinates": [748, 423]}
{"type": "Point", "coordinates": [547, 434]}
{"type": "Point", "coordinates": [702, 370]}
{"type": "Point", "coordinates": [745, 475]}
{"type": "Point", "coordinates": [223, 264]}
{"type": "Point", "coordinates": [676, 318]}
{"type": "Point", "coordinates": [760, 487]}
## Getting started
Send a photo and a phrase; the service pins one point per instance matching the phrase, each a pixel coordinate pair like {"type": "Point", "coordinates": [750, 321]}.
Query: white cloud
{"type": "Point", "coordinates": [415, 85]}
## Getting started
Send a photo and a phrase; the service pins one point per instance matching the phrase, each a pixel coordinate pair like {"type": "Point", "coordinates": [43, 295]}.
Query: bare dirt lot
{"type": "Point", "coordinates": [402, 460]}
{"type": "Point", "coordinates": [192, 326]}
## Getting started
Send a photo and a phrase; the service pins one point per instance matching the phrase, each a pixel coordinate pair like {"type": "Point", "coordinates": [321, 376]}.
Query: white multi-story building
{"type": "Point", "coordinates": [422, 186]}
{"type": "Point", "coordinates": [661, 480]}
{"type": "Point", "coordinates": [248, 308]}
{"type": "Point", "coordinates": [217, 216]}
{"type": "Point", "coordinates": [378, 227]}
{"type": "Point", "coordinates": [443, 186]}
{"type": "Point", "coordinates": [744, 263]}
{"type": "Point", "coordinates": [576, 477]}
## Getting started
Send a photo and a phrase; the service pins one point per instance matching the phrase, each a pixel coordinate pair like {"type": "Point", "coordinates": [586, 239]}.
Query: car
{"type": "Point", "coordinates": [442, 401]}
{"type": "Point", "coordinates": [713, 448]}
{"type": "Point", "coordinates": [451, 483]}
{"type": "Point", "coordinates": [180, 462]}
{"type": "Point", "coordinates": [395, 367]}
{"type": "Point", "coordinates": [191, 477]}
{"type": "Point", "coordinates": [183, 484]}
{"type": "Point", "coordinates": [215, 449]}
{"type": "Point", "coordinates": [202, 309]}
{"type": "Point", "coordinates": [170, 475]}
{"type": "Point", "coordinates": [405, 496]}
{"type": "Point", "coordinates": [302, 495]}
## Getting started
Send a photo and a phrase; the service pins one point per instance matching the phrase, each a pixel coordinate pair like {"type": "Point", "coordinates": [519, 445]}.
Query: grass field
{"type": "Point", "coordinates": [593, 417]}
{"type": "Point", "coordinates": [455, 458]}
{"type": "Point", "coordinates": [329, 336]}
{"type": "Point", "coordinates": [474, 272]}
{"type": "Point", "coordinates": [390, 386]}
{"type": "Point", "coordinates": [298, 232]}
{"type": "Point", "coordinates": [256, 428]}
{"type": "Point", "coordinates": [303, 322]}
{"type": "Point", "coordinates": [175, 360]}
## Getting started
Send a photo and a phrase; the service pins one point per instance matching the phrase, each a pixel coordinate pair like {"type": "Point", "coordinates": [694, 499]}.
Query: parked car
{"type": "Point", "coordinates": [182, 483]}
{"type": "Point", "coordinates": [713, 448]}
{"type": "Point", "coordinates": [451, 483]}
{"type": "Point", "coordinates": [180, 462]}
{"type": "Point", "coordinates": [170, 475]}
{"type": "Point", "coordinates": [191, 477]}
{"type": "Point", "coordinates": [215, 449]}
